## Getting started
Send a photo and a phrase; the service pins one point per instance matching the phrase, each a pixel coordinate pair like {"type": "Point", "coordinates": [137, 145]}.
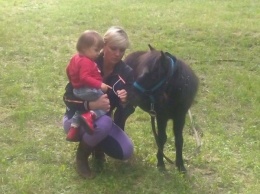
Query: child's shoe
{"type": "Point", "coordinates": [73, 134]}
{"type": "Point", "coordinates": [87, 121]}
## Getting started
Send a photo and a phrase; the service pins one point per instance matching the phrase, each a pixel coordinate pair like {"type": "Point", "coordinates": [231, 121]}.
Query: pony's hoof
{"type": "Point", "coordinates": [161, 168]}
{"type": "Point", "coordinates": [182, 169]}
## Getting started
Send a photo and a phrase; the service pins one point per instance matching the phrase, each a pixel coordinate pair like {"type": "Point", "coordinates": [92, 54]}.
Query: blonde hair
{"type": "Point", "coordinates": [116, 36]}
{"type": "Point", "coordinates": [88, 39]}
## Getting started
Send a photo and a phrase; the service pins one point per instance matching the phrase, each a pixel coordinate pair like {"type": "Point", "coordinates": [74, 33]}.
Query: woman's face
{"type": "Point", "coordinates": [113, 54]}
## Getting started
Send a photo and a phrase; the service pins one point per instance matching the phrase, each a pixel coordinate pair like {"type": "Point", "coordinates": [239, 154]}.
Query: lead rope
{"type": "Point", "coordinates": [153, 115]}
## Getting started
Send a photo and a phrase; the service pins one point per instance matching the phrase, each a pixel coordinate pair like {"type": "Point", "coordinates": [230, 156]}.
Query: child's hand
{"type": "Point", "coordinates": [105, 87]}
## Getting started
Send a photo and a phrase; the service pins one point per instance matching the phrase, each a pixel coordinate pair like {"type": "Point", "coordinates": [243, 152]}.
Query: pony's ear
{"type": "Point", "coordinates": [163, 59]}
{"type": "Point", "coordinates": [151, 48]}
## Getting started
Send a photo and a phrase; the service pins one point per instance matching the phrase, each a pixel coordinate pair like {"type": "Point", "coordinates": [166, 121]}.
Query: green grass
{"type": "Point", "coordinates": [221, 41]}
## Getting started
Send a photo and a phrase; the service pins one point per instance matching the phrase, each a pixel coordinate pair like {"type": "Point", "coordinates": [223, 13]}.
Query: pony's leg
{"type": "Point", "coordinates": [161, 139]}
{"type": "Point", "coordinates": [179, 121]}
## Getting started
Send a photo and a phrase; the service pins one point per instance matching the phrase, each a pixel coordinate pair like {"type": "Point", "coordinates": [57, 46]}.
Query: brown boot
{"type": "Point", "coordinates": [82, 165]}
{"type": "Point", "coordinates": [99, 154]}
{"type": "Point", "coordinates": [99, 159]}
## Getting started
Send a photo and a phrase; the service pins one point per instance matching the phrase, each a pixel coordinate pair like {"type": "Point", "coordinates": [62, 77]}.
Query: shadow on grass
{"type": "Point", "coordinates": [137, 176]}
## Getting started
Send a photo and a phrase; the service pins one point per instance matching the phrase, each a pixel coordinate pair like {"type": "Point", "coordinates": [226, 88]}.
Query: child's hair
{"type": "Point", "coordinates": [116, 36]}
{"type": "Point", "coordinates": [88, 39]}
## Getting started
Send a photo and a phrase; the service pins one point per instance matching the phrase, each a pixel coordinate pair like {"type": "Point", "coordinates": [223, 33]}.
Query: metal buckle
{"type": "Point", "coordinates": [152, 111]}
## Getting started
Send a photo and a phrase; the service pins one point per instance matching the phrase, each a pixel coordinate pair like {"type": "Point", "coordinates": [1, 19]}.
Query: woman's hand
{"type": "Point", "coordinates": [101, 103]}
{"type": "Point", "coordinates": [122, 94]}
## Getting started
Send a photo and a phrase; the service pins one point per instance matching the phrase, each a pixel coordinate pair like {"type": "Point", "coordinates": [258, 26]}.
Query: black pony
{"type": "Point", "coordinates": [166, 86]}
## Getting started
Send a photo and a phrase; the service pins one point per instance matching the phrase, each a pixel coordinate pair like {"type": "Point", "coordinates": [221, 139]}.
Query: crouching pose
{"type": "Point", "coordinates": [108, 135]}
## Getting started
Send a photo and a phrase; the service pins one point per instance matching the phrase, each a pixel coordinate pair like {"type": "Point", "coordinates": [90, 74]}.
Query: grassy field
{"type": "Point", "coordinates": [219, 39]}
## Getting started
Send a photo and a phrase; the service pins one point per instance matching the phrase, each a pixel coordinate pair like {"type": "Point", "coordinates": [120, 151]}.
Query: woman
{"type": "Point", "coordinates": [117, 74]}
{"type": "Point", "coordinates": [108, 136]}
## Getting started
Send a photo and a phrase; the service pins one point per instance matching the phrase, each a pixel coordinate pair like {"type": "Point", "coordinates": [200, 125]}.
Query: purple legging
{"type": "Point", "coordinates": [108, 135]}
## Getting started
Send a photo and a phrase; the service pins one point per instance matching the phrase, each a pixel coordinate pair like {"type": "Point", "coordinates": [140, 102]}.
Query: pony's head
{"type": "Point", "coordinates": [154, 69]}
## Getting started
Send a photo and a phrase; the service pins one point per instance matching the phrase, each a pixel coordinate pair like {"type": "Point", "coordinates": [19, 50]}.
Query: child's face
{"type": "Point", "coordinates": [92, 52]}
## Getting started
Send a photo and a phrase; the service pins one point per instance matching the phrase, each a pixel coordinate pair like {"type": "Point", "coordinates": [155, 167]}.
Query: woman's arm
{"type": "Point", "coordinates": [76, 104]}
